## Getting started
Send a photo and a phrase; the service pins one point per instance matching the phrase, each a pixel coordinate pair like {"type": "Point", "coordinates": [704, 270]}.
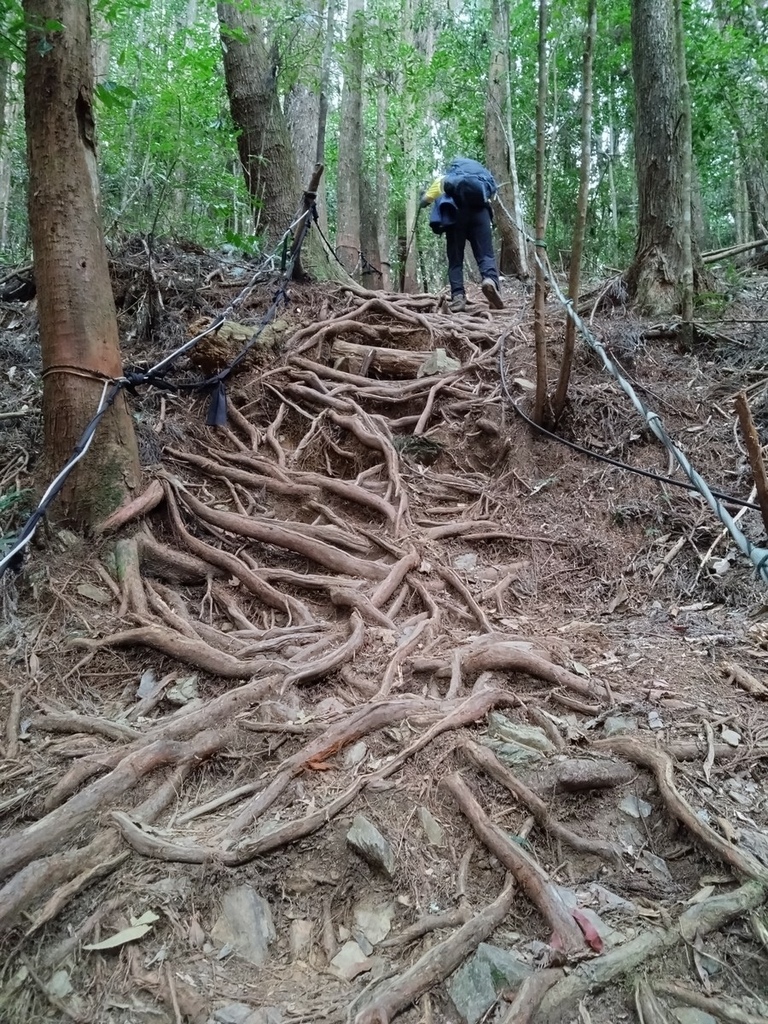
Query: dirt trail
{"type": "Point", "coordinates": [379, 706]}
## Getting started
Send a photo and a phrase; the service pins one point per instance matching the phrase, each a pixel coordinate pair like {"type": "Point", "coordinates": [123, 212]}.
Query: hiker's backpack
{"type": "Point", "coordinates": [469, 184]}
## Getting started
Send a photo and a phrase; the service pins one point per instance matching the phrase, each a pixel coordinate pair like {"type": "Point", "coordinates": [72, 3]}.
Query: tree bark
{"type": "Point", "coordinates": [78, 323]}
{"type": "Point", "coordinates": [662, 267]}
{"type": "Point", "coordinates": [350, 168]}
{"type": "Point", "coordinates": [264, 142]}
{"type": "Point", "coordinates": [500, 147]}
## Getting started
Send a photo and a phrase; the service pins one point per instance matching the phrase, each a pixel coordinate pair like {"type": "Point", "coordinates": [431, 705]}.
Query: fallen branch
{"type": "Point", "coordinates": [744, 679]}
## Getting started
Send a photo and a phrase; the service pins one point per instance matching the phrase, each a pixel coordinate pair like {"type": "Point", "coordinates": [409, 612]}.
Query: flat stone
{"type": "Point", "coordinates": [516, 755]}
{"type": "Point", "coordinates": [617, 725]}
{"type": "Point", "coordinates": [731, 737]}
{"type": "Point", "coordinates": [475, 986]}
{"type": "Point", "coordinates": [655, 866]}
{"type": "Point", "coordinates": [439, 362]}
{"type": "Point", "coordinates": [245, 925]}
{"type": "Point", "coordinates": [366, 840]}
{"type": "Point", "coordinates": [355, 754]}
{"type": "Point", "coordinates": [350, 961]}
{"type": "Point", "coordinates": [502, 728]}
{"type": "Point", "coordinates": [635, 807]}
{"type": "Point", "coordinates": [689, 1015]}
{"type": "Point", "coordinates": [465, 563]}
{"type": "Point", "coordinates": [300, 937]}
{"type": "Point", "coordinates": [433, 829]}
{"type": "Point", "coordinates": [373, 919]}
{"type": "Point", "coordinates": [241, 1013]}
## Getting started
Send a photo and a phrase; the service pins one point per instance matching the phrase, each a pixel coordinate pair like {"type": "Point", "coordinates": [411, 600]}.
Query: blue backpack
{"type": "Point", "coordinates": [469, 184]}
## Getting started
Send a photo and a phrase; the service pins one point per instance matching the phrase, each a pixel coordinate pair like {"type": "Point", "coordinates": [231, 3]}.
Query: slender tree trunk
{"type": "Point", "coordinates": [382, 188]}
{"type": "Point", "coordinates": [408, 242]}
{"type": "Point", "coordinates": [539, 315]}
{"type": "Point", "coordinates": [9, 111]}
{"type": "Point", "coordinates": [500, 147]}
{"type": "Point", "coordinates": [582, 205]}
{"type": "Point", "coordinates": [612, 177]}
{"type": "Point", "coordinates": [350, 168]}
{"type": "Point", "coordinates": [78, 324]}
{"type": "Point", "coordinates": [264, 143]}
{"type": "Point", "coordinates": [322, 113]}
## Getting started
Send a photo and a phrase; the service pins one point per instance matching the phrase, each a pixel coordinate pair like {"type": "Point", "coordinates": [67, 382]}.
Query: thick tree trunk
{"type": "Point", "coordinates": [78, 324]}
{"type": "Point", "coordinates": [264, 143]}
{"type": "Point", "coordinates": [500, 148]}
{"type": "Point", "coordinates": [350, 169]}
{"type": "Point", "coordinates": [266, 153]}
{"type": "Point", "coordinates": [661, 272]}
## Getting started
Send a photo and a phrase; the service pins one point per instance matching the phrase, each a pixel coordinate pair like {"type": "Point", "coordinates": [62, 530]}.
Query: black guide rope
{"type": "Point", "coordinates": [155, 377]}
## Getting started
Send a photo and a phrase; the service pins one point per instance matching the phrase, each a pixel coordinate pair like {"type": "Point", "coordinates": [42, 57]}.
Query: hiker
{"type": "Point", "coordinates": [462, 211]}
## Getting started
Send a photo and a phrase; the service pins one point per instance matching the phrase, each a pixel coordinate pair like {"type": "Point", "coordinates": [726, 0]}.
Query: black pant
{"type": "Point", "coordinates": [473, 226]}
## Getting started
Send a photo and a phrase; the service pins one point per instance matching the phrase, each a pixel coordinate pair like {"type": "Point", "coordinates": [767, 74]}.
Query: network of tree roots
{"type": "Point", "coordinates": [361, 598]}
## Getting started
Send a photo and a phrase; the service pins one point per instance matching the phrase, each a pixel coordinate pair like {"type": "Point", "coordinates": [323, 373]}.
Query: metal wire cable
{"type": "Point", "coordinates": [757, 555]}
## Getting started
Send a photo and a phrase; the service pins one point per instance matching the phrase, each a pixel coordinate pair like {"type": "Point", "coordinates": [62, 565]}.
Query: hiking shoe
{"type": "Point", "coordinates": [459, 303]}
{"type": "Point", "coordinates": [491, 291]}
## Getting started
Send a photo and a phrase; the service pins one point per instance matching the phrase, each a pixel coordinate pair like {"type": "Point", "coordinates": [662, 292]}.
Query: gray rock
{"type": "Point", "coordinates": [581, 773]}
{"type": "Point", "coordinates": [616, 725]}
{"type": "Point", "coordinates": [438, 363]}
{"type": "Point", "coordinates": [502, 728]}
{"type": "Point", "coordinates": [374, 920]}
{"type": "Point", "coordinates": [355, 754]}
{"type": "Point", "coordinates": [688, 1015]}
{"type": "Point", "coordinates": [366, 840]}
{"type": "Point", "coordinates": [635, 807]}
{"type": "Point", "coordinates": [474, 987]}
{"type": "Point", "coordinates": [245, 924]}
{"type": "Point", "coordinates": [466, 562]}
{"type": "Point", "coordinates": [433, 829]}
{"type": "Point", "coordinates": [350, 961]}
{"type": "Point", "coordinates": [516, 755]}
{"type": "Point", "coordinates": [300, 938]}
{"type": "Point", "coordinates": [241, 1013]}
{"type": "Point", "coordinates": [731, 737]}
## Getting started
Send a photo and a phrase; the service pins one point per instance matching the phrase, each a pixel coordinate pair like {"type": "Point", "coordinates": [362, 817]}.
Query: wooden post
{"type": "Point", "coordinates": [308, 199]}
{"type": "Point", "coordinates": [755, 454]}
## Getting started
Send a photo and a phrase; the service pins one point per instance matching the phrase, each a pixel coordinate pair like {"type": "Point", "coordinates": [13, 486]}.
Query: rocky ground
{"type": "Point", "coordinates": [379, 704]}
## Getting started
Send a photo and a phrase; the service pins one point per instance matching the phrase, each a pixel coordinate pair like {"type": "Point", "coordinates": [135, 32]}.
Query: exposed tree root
{"type": "Point", "coordinates": [141, 504]}
{"type": "Point", "coordinates": [394, 995]}
{"type": "Point", "coordinates": [487, 760]}
{"type": "Point", "coordinates": [661, 765]}
{"type": "Point", "coordinates": [725, 1010]}
{"type": "Point", "coordinates": [501, 655]}
{"type": "Point", "coordinates": [700, 920]}
{"type": "Point", "coordinates": [531, 877]}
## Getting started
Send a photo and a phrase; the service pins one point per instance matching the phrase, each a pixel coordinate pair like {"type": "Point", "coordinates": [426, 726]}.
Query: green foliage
{"type": "Point", "coordinates": [168, 150]}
